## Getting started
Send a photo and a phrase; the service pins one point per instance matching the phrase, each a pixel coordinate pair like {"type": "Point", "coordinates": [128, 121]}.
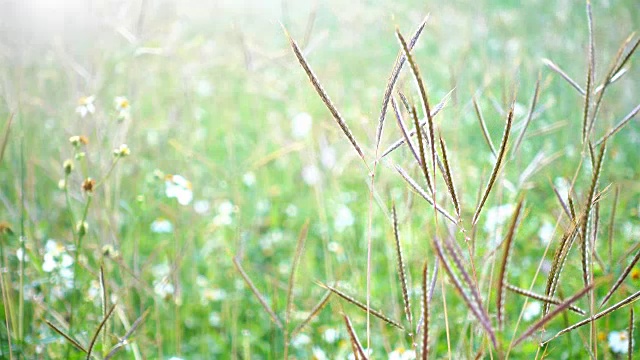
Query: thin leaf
{"type": "Point", "coordinates": [532, 108]}
{"type": "Point", "coordinates": [313, 313]}
{"type": "Point", "coordinates": [358, 351]}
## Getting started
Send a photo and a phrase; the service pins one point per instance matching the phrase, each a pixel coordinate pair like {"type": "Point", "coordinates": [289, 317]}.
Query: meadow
{"type": "Point", "coordinates": [213, 180]}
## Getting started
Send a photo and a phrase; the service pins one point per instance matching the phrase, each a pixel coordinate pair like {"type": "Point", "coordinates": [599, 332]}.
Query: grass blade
{"type": "Point", "coordinates": [397, 67]}
{"type": "Point", "coordinates": [632, 298]}
{"type": "Point", "coordinates": [358, 351]}
{"type": "Point", "coordinates": [542, 298]}
{"type": "Point", "coordinates": [483, 126]}
{"type": "Point", "coordinates": [532, 109]}
{"type": "Point", "coordinates": [97, 333]}
{"type": "Point", "coordinates": [496, 168]}
{"type": "Point", "coordinates": [362, 306]}
{"type": "Point", "coordinates": [325, 98]}
{"type": "Point", "coordinates": [401, 269]}
{"type": "Point", "coordinates": [564, 75]}
{"type": "Point", "coordinates": [72, 341]}
{"type": "Point", "coordinates": [423, 123]}
{"type": "Point", "coordinates": [472, 305]}
{"type": "Point", "coordinates": [448, 178]}
{"type": "Point", "coordinates": [619, 125]}
{"type": "Point", "coordinates": [5, 139]}
{"type": "Point", "coordinates": [426, 305]}
{"type": "Point", "coordinates": [502, 273]}
{"type": "Point", "coordinates": [548, 317]}
{"type": "Point", "coordinates": [294, 266]}
{"type": "Point", "coordinates": [621, 278]}
{"type": "Point", "coordinates": [423, 193]}
{"type": "Point", "coordinates": [257, 294]}
{"type": "Point", "coordinates": [313, 313]}
{"type": "Point", "coordinates": [425, 101]}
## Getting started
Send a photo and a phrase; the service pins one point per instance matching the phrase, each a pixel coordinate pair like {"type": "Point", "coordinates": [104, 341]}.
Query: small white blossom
{"type": "Point", "coordinates": [163, 288]}
{"type": "Point", "coordinates": [367, 352]}
{"type": "Point", "coordinates": [402, 354]}
{"type": "Point", "coordinates": [318, 353]}
{"type": "Point", "coordinates": [546, 232]}
{"type": "Point", "coordinates": [123, 107]}
{"type": "Point", "coordinates": [201, 207]}
{"type": "Point", "coordinates": [619, 342]}
{"type": "Point", "coordinates": [311, 175]}
{"type": "Point", "coordinates": [300, 340]}
{"type": "Point", "coordinates": [225, 212]}
{"type": "Point", "coordinates": [249, 179]}
{"type": "Point", "coordinates": [291, 210]}
{"type": "Point", "coordinates": [331, 335]}
{"type": "Point", "coordinates": [176, 186]}
{"type": "Point", "coordinates": [85, 105]}
{"type": "Point", "coordinates": [343, 218]}
{"type": "Point", "coordinates": [161, 226]}
{"type": "Point", "coordinates": [531, 310]}
{"type": "Point", "coordinates": [328, 157]}
{"type": "Point", "coordinates": [21, 255]}
{"type": "Point", "coordinates": [301, 125]}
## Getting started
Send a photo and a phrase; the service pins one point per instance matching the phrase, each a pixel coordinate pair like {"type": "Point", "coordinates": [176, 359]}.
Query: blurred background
{"type": "Point", "coordinates": [211, 91]}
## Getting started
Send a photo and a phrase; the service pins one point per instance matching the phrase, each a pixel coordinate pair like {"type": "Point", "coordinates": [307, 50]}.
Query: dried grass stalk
{"type": "Point", "coordinates": [426, 306]}
{"type": "Point", "coordinates": [590, 71]}
{"type": "Point", "coordinates": [313, 313]}
{"type": "Point", "coordinates": [97, 333]}
{"type": "Point", "coordinates": [403, 129]}
{"type": "Point", "coordinates": [630, 333]}
{"type": "Point", "coordinates": [532, 109]}
{"type": "Point", "coordinates": [620, 125]}
{"type": "Point", "coordinates": [71, 340]}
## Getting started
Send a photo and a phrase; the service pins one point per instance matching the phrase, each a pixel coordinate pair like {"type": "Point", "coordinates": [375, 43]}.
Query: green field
{"type": "Point", "coordinates": [166, 167]}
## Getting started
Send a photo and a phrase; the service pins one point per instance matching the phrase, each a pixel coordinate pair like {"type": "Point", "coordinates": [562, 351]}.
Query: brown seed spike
{"type": "Point", "coordinates": [402, 274]}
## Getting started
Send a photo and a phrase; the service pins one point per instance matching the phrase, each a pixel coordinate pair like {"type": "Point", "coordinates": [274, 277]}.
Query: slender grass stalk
{"type": "Point", "coordinates": [426, 312]}
{"type": "Point", "coordinates": [313, 313]}
{"type": "Point", "coordinates": [612, 220]}
{"type": "Point", "coordinates": [620, 125]}
{"type": "Point", "coordinates": [590, 72]}
{"type": "Point", "coordinates": [423, 123]}
{"type": "Point", "coordinates": [257, 294]}
{"type": "Point", "coordinates": [358, 351]}
{"type": "Point", "coordinates": [630, 334]}
{"type": "Point", "coordinates": [504, 262]}
{"type": "Point", "coordinates": [97, 333]}
{"type": "Point", "coordinates": [405, 133]}
{"type": "Point", "coordinates": [551, 315]}
{"type": "Point", "coordinates": [483, 126]}
{"type": "Point", "coordinates": [564, 75]}
{"type": "Point", "coordinates": [7, 312]}
{"type": "Point", "coordinates": [5, 138]}
{"type": "Point", "coordinates": [542, 298]}
{"type": "Point", "coordinates": [290, 295]}
{"type": "Point", "coordinates": [423, 193]}
{"type": "Point", "coordinates": [448, 178]}
{"type": "Point", "coordinates": [125, 339]}
{"type": "Point", "coordinates": [629, 300]}
{"type": "Point", "coordinates": [395, 73]}
{"type": "Point", "coordinates": [362, 306]}
{"type": "Point", "coordinates": [496, 168]}
{"type": "Point", "coordinates": [402, 273]}
{"type": "Point", "coordinates": [423, 161]}
{"type": "Point", "coordinates": [621, 278]}
{"type": "Point", "coordinates": [532, 109]}
{"type": "Point", "coordinates": [69, 339]}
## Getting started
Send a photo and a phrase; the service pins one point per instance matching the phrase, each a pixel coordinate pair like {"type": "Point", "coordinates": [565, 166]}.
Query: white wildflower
{"type": "Point", "coordinates": [531, 310]}
{"type": "Point", "coordinates": [402, 354]}
{"type": "Point", "coordinates": [301, 125]}
{"type": "Point", "coordinates": [176, 186]}
{"type": "Point", "coordinates": [85, 105]}
{"type": "Point", "coordinates": [619, 342]}
{"type": "Point", "coordinates": [311, 175]}
{"type": "Point", "coordinates": [343, 218]}
{"type": "Point", "coordinates": [161, 226]}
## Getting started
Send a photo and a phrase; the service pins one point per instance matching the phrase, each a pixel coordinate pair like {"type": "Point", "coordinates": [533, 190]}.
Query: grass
{"type": "Point", "coordinates": [290, 239]}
